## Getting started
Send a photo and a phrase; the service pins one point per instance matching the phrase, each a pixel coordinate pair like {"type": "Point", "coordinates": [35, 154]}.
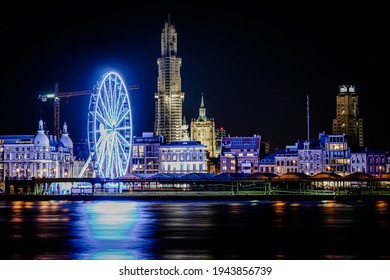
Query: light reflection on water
{"type": "Point", "coordinates": [195, 230]}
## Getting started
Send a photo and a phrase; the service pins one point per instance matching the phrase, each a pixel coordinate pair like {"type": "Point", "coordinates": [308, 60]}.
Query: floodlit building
{"type": "Point", "coordinates": [336, 153]}
{"type": "Point", "coordinates": [267, 163]}
{"type": "Point", "coordinates": [40, 155]}
{"type": "Point", "coordinates": [183, 157]}
{"type": "Point", "coordinates": [286, 160]}
{"type": "Point", "coordinates": [310, 157]}
{"type": "Point", "coordinates": [169, 96]}
{"type": "Point", "coordinates": [240, 154]}
{"type": "Point", "coordinates": [145, 154]}
{"type": "Point", "coordinates": [347, 119]}
{"type": "Point", "coordinates": [376, 162]}
{"type": "Point", "coordinates": [359, 161]}
{"type": "Point", "coordinates": [203, 130]}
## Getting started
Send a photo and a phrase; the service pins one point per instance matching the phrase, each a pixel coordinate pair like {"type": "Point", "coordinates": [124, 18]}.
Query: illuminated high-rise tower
{"type": "Point", "coordinates": [169, 97]}
{"type": "Point", "coordinates": [347, 119]}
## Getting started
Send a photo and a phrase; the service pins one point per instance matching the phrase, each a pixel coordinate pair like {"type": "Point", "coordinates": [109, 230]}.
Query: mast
{"type": "Point", "coordinates": [308, 118]}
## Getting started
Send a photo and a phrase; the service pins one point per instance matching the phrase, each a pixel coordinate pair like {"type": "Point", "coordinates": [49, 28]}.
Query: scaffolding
{"type": "Point", "coordinates": [169, 97]}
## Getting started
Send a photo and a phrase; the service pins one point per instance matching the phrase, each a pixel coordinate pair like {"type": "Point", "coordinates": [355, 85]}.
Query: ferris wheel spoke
{"type": "Point", "coordinates": [120, 147]}
{"type": "Point", "coordinates": [123, 115]}
{"type": "Point", "coordinates": [119, 109]}
{"type": "Point", "coordinates": [123, 152]}
{"type": "Point", "coordinates": [113, 95]}
{"type": "Point", "coordinates": [123, 140]}
{"type": "Point", "coordinates": [103, 106]}
{"type": "Point", "coordinates": [100, 140]}
{"type": "Point", "coordinates": [120, 165]}
{"type": "Point", "coordinates": [116, 159]}
{"type": "Point", "coordinates": [123, 128]}
{"type": "Point", "coordinates": [114, 104]}
{"type": "Point", "coordinates": [107, 99]}
{"type": "Point", "coordinates": [101, 147]}
{"type": "Point", "coordinates": [102, 120]}
{"type": "Point", "coordinates": [104, 158]}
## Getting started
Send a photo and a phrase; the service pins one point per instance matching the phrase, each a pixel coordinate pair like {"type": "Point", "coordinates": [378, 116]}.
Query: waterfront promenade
{"type": "Point", "coordinates": [202, 187]}
{"type": "Point", "coordinates": [205, 195]}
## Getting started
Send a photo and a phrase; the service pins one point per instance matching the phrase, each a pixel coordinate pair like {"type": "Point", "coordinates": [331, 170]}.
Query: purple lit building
{"type": "Point", "coordinates": [240, 154]}
{"type": "Point", "coordinates": [376, 162]}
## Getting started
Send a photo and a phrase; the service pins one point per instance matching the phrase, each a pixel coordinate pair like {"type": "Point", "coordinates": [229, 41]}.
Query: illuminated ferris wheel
{"type": "Point", "coordinates": [110, 126]}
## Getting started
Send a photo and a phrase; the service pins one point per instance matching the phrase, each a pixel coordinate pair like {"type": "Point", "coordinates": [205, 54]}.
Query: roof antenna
{"type": "Point", "coordinates": [308, 117]}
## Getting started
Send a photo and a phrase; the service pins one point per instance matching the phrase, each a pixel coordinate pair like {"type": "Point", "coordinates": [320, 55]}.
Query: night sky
{"type": "Point", "coordinates": [255, 65]}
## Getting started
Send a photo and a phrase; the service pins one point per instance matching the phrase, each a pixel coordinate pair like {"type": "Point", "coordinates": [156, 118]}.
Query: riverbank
{"type": "Point", "coordinates": [196, 196]}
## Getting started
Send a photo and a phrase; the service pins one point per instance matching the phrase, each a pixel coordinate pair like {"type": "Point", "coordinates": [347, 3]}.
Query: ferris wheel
{"type": "Point", "coordinates": [110, 126]}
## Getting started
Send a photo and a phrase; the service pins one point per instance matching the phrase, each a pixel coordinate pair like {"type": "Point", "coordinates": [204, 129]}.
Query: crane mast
{"type": "Point", "coordinates": [57, 95]}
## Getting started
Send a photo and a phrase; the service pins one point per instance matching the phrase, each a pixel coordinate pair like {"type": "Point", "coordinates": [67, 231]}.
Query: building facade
{"type": "Point", "coordinates": [203, 130]}
{"type": "Point", "coordinates": [310, 157]}
{"type": "Point", "coordinates": [145, 154]}
{"type": "Point", "coordinates": [183, 157]}
{"type": "Point", "coordinates": [347, 119]}
{"type": "Point", "coordinates": [286, 160]}
{"type": "Point", "coordinates": [336, 153]}
{"type": "Point", "coordinates": [40, 155]}
{"type": "Point", "coordinates": [240, 154]}
{"type": "Point", "coordinates": [359, 162]}
{"type": "Point", "coordinates": [267, 163]}
{"type": "Point", "coordinates": [169, 96]}
{"type": "Point", "coordinates": [376, 162]}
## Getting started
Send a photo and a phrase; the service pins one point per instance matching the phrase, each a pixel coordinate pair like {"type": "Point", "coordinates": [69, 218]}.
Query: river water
{"type": "Point", "coordinates": [194, 230]}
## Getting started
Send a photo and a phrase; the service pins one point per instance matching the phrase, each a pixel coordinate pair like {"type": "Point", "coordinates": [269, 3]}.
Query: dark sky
{"type": "Point", "coordinates": [255, 65]}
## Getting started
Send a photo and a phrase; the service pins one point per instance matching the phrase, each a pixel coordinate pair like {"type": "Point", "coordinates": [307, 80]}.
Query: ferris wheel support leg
{"type": "Point", "coordinates": [85, 167]}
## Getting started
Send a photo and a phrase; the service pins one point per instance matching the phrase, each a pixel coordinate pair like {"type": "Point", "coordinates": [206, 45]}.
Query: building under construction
{"type": "Point", "coordinates": [169, 97]}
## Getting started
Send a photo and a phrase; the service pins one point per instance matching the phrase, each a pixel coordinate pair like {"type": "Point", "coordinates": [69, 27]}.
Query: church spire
{"type": "Point", "coordinates": [202, 111]}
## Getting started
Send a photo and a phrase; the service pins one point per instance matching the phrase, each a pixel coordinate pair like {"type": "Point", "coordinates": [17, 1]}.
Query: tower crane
{"type": "Point", "coordinates": [57, 95]}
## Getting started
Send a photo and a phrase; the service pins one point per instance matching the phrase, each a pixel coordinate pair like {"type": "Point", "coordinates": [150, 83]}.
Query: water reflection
{"type": "Point", "coordinates": [109, 230]}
